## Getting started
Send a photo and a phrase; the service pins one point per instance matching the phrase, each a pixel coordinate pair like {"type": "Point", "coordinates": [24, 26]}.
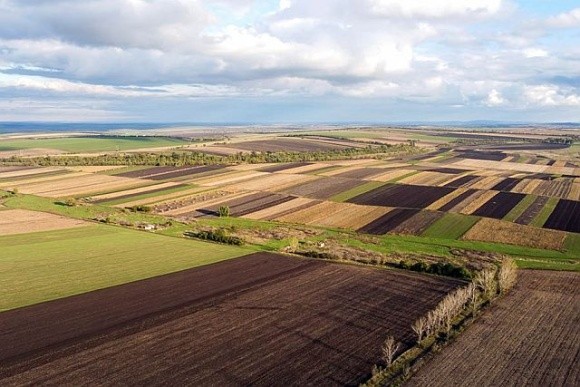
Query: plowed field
{"type": "Point", "coordinates": [529, 338]}
{"type": "Point", "coordinates": [410, 196]}
{"type": "Point", "coordinates": [258, 320]}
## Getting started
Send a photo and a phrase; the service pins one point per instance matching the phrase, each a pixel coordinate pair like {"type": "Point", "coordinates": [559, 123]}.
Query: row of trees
{"type": "Point", "coordinates": [200, 158]}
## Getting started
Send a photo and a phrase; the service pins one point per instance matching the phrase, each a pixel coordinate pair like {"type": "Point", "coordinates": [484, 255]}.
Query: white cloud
{"type": "Point", "coordinates": [550, 95]}
{"type": "Point", "coordinates": [534, 52]}
{"type": "Point", "coordinates": [435, 9]}
{"type": "Point", "coordinates": [565, 20]}
{"type": "Point", "coordinates": [495, 98]}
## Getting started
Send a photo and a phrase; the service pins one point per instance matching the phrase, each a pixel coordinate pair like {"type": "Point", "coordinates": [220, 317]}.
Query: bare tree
{"type": "Point", "coordinates": [507, 275]}
{"type": "Point", "coordinates": [485, 280]}
{"type": "Point", "coordinates": [420, 328]}
{"type": "Point", "coordinates": [390, 348]}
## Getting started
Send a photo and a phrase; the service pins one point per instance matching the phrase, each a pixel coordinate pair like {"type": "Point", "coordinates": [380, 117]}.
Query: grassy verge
{"type": "Point", "coordinates": [48, 265]}
{"type": "Point", "coordinates": [351, 193]}
{"type": "Point", "coordinates": [450, 226]}
{"type": "Point", "coordinates": [544, 214]}
{"type": "Point", "coordinates": [520, 208]}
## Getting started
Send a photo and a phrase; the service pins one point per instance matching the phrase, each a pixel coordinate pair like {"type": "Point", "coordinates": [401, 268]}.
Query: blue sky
{"type": "Point", "coordinates": [289, 61]}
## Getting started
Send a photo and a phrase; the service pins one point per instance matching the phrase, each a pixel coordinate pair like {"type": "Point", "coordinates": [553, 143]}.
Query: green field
{"type": "Point", "coordinates": [544, 214]}
{"type": "Point", "coordinates": [351, 193]}
{"type": "Point", "coordinates": [450, 226]}
{"type": "Point", "coordinates": [91, 144]}
{"type": "Point", "coordinates": [43, 266]}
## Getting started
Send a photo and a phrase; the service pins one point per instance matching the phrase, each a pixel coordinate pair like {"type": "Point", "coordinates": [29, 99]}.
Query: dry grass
{"type": "Point", "coordinates": [498, 231]}
{"type": "Point", "coordinates": [426, 178]}
{"type": "Point", "coordinates": [351, 216]}
{"type": "Point", "coordinates": [445, 199]}
{"type": "Point", "coordinates": [26, 172]}
{"type": "Point", "coordinates": [527, 186]}
{"type": "Point", "coordinates": [24, 221]}
{"type": "Point", "coordinates": [228, 178]}
{"type": "Point", "coordinates": [486, 182]}
{"type": "Point", "coordinates": [392, 174]}
{"type": "Point", "coordinates": [575, 190]}
{"type": "Point", "coordinates": [271, 182]}
{"type": "Point", "coordinates": [500, 165]}
{"type": "Point", "coordinates": [203, 200]}
{"type": "Point", "coordinates": [81, 185]}
{"type": "Point", "coordinates": [478, 201]}
{"type": "Point", "coordinates": [272, 212]}
{"type": "Point", "coordinates": [161, 198]}
{"type": "Point", "coordinates": [134, 191]}
{"type": "Point", "coordinates": [94, 168]}
{"type": "Point", "coordinates": [305, 168]}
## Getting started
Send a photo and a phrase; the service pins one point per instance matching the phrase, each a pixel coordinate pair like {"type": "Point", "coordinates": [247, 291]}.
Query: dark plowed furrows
{"type": "Point", "coordinates": [295, 209]}
{"type": "Point", "coordinates": [528, 338]}
{"type": "Point", "coordinates": [551, 162]}
{"type": "Point", "coordinates": [498, 206]}
{"type": "Point", "coordinates": [451, 171]}
{"type": "Point", "coordinates": [260, 320]}
{"type": "Point", "coordinates": [565, 217]}
{"type": "Point", "coordinates": [388, 222]}
{"type": "Point", "coordinates": [152, 190]}
{"type": "Point", "coordinates": [245, 205]}
{"type": "Point", "coordinates": [41, 325]}
{"type": "Point", "coordinates": [323, 188]}
{"type": "Point", "coordinates": [455, 201]}
{"type": "Point", "coordinates": [418, 223]}
{"type": "Point", "coordinates": [146, 172]}
{"type": "Point", "coordinates": [163, 173]}
{"type": "Point", "coordinates": [463, 180]}
{"type": "Point", "coordinates": [506, 184]}
{"type": "Point", "coordinates": [361, 173]}
{"type": "Point", "coordinates": [534, 209]}
{"type": "Point", "coordinates": [541, 176]}
{"type": "Point", "coordinates": [492, 156]}
{"type": "Point", "coordinates": [283, 167]}
{"type": "Point", "coordinates": [409, 196]}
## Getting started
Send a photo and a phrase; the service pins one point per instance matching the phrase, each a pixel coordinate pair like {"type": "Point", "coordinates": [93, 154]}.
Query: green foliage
{"type": "Point", "coordinates": [440, 268]}
{"type": "Point", "coordinates": [140, 208]}
{"type": "Point", "coordinates": [545, 213]}
{"type": "Point", "coordinates": [224, 211]}
{"type": "Point", "coordinates": [451, 226]}
{"type": "Point", "coordinates": [218, 236]}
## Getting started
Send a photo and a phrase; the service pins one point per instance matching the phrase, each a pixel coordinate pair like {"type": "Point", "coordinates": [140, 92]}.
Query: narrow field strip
{"type": "Point", "coordinates": [478, 201]}
{"type": "Point", "coordinates": [349, 194]}
{"type": "Point", "coordinates": [149, 194]}
{"type": "Point", "coordinates": [545, 212]}
{"type": "Point", "coordinates": [450, 226]}
{"type": "Point", "coordinates": [16, 221]}
{"type": "Point", "coordinates": [520, 208]}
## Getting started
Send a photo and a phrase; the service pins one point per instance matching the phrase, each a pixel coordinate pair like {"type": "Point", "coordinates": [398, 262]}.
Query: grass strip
{"type": "Point", "coordinates": [520, 208]}
{"type": "Point", "coordinates": [358, 190]}
{"type": "Point", "coordinates": [545, 213]}
{"type": "Point", "coordinates": [450, 226]}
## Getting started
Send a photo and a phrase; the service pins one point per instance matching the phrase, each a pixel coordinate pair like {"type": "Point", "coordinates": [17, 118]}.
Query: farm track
{"type": "Point", "coordinates": [262, 319]}
{"type": "Point", "coordinates": [530, 338]}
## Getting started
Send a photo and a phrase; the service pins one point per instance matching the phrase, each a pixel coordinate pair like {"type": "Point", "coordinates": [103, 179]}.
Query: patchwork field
{"type": "Point", "coordinates": [318, 323]}
{"type": "Point", "coordinates": [529, 338]}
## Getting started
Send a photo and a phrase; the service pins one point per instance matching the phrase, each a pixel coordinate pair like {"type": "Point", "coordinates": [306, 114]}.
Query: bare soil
{"type": "Point", "coordinates": [529, 338]}
{"type": "Point", "coordinates": [262, 319]}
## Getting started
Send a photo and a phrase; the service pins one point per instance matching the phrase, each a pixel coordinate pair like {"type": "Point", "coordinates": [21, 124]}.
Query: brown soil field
{"type": "Point", "coordinates": [311, 214]}
{"type": "Point", "coordinates": [262, 319]}
{"type": "Point", "coordinates": [24, 221]}
{"type": "Point", "coordinates": [461, 198]}
{"type": "Point", "coordinates": [534, 209]}
{"type": "Point", "coordinates": [492, 230]}
{"type": "Point", "coordinates": [228, 178]}
{"type": "Point", "coordinates": [389, 221]}
{"type": "Point", "coordinates": [19, 172]}
{"type": "Point", "coordinates": [500, 205]}
{"type": "Point", "coordinates": [283, 167]}
{"type": "Point", "coordinates": [463, 181]}
{"type": "Point", "coordinates": [361, 173]}
{"type": "Point", "coordinates": [565, 217]}
{"type": "Point", "coordinates": [306, 168]}
{"type": "Point", "coordinates": [529, 338]}
{"type": "Point", "coordinates": [473, 202]}
{"type": "Point", "coordinates": [281, 209]}
{"type": "Point", "coordinates": [94, 168]}
{"type": "Point", "coordinates": [501, 165]}
{"type": "Point", "coordinates": [40, 177]}
{"type": "Point", "coordinates": [282, 144]}
{"type": "Point", "coordinates": [32, 152]}
{"type": "Point", "coordinates": [506, 184]}
{"type": "Point", "coordinates": [248, 204]}
{"type": "Point", "coordinates": [323, 187]}
{"type": "Point", "coordinates": [417, 223]}
{"type": "Point", "coordinates": [400, 195]}
{"type": "Point", "coordinates": [200, 200]}
{"type": "Point", "coordinates": [554, 188]}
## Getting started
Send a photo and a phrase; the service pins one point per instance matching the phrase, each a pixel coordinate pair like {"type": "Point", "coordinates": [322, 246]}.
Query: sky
{"type": "Point", "coordinates": [289, 61]}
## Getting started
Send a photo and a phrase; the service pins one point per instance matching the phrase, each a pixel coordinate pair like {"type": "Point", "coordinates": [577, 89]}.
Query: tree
{"type": "Point", "coordinates": [419, 327]}
{"type": "Point", "coordinates": [224, 211]}
{"type": "Point", "coordinates": [390, 348]}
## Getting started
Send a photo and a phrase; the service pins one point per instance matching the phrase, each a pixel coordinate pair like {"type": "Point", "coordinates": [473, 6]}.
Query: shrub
{"type": "Point", "coordinates": [224, 211]}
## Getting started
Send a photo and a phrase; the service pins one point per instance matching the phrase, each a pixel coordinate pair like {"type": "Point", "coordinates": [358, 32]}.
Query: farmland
{"type": "Point", "coordinates": [295, 253]}
{"type": "Point", "coordinates": [319, 323]}
{"type": "Point", "coordinates": [530, 353]}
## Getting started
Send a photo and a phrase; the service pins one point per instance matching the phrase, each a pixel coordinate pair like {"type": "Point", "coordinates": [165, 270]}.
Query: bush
{"type": "Point", "coordinates": [140, 208]}
{"type": "Point", "coordinates": [224, 211]}
{"type": "Point", "coordinates": [218, 236]}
